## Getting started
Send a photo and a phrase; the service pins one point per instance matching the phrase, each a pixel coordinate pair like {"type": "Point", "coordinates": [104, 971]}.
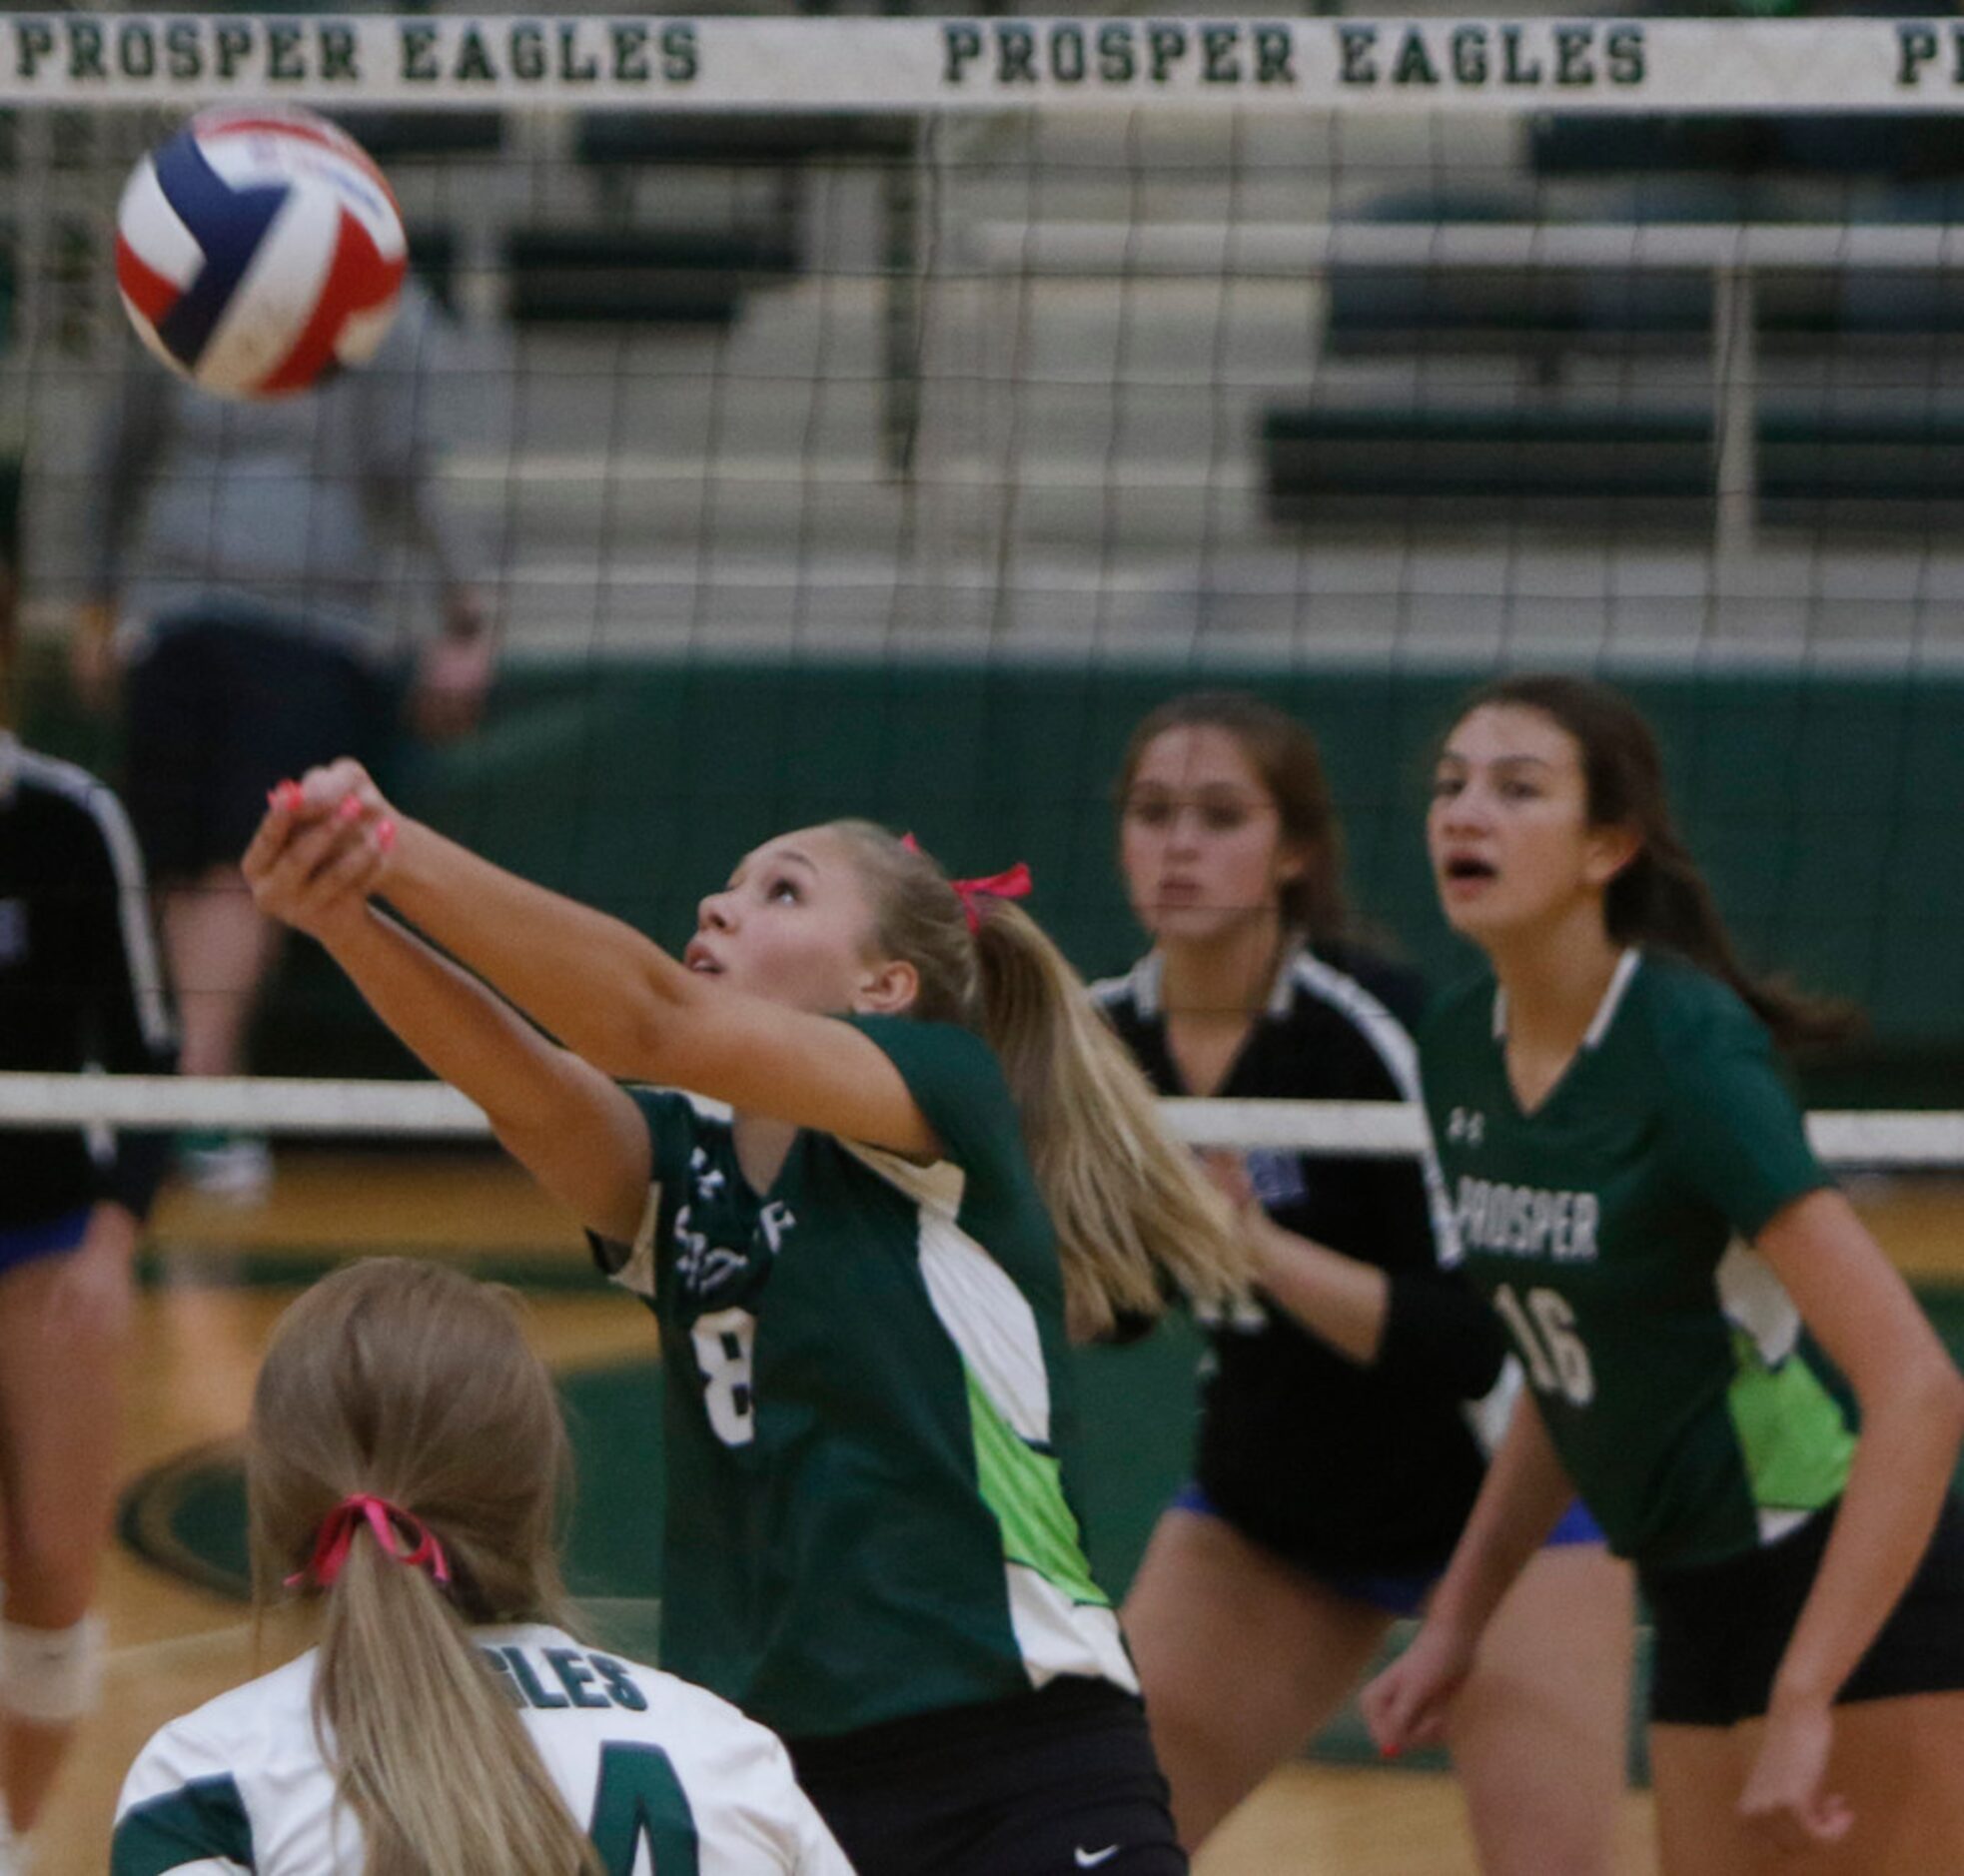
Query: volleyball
{"type": "Point", "coordinates": [259, 250]}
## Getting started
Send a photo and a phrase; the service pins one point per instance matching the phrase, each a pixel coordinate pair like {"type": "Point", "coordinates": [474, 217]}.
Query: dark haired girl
{"type": "Point", "coordinates": [1340, 1445]}
{"type": "Point", "coordinates": [1611, 1122]}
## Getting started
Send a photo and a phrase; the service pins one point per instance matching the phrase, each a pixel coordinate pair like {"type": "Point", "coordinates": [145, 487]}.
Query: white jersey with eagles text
{"type": "Point", "coordinates": [663, 1775]}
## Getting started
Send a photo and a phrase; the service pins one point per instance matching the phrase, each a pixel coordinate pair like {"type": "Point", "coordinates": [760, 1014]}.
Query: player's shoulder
{"type": "Point", "coordinates": [1460, 1010]}
{"type": "Point", "coordinates": [677, 1111]}
{"type": "Point", "coordinates": [1357, 980]}
{"type": "Point", "coordinates": [1133, 991]}
{"type": "Point", "coordinates": [1684, 1011]}
{"type": "Point", "coordinates": [949, 1069]}
{"type": "Point", "coordinates": [56, 786]}
{"type": "Point", "coordinates": [928, 1038]}
{"type": "Point", "coordinates": [234, 1733]}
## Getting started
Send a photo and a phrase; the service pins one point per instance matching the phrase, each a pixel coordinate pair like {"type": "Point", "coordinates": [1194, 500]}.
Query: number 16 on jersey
{"type": "Point", "coordinates": [1544, 1332]}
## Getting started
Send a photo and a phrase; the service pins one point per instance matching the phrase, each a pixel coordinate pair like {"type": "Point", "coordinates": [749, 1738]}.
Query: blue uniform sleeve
{"type": "Point", "coordinates": [1736, 1134]}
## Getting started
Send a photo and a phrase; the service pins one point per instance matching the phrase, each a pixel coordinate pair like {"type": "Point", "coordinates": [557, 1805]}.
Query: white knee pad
{"type": "Point", "coordinates": [51, 1676]}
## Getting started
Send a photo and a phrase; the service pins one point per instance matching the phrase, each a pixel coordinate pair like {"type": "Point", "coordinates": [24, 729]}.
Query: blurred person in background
{"type": "Point", "coordinates": [407, 1466]}
{"type": "Point", "coordinates": [238, 590]}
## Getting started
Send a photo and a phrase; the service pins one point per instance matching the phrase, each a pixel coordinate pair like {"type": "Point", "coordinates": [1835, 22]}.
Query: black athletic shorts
{"type": "Point", "coordinates": [1050, 1783]}
{"type": "Point", "coordinates": [1721, 1629]}
{"type": "Point", "coordinates": [220, 711]}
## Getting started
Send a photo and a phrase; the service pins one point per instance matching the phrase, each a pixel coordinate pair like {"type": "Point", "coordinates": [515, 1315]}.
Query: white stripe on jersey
{"type": "Point", "coordinates": [1489, 1415]}
{"type": "Point", "coordinates": [750, 1815]}
{"type": "Point", "coordinates": [131, 893]}
{"type": "Point", "coordinates": [991, 1324]}
{"type": "Point", "coordinates": [987, 1318]}
{"type": "Point", "coordinates": [1392, 1044]}
{"type": "Point", "coordinates": [638, 1274]}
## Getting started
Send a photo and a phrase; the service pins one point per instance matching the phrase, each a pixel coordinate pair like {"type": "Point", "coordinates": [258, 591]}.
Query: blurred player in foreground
{"type": "Point", "coordinates": [406, 1467]}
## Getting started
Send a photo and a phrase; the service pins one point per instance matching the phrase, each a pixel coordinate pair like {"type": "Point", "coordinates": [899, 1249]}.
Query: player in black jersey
{"type": "Point", "coordinates": [1339, 1451]}
{"type": "Point", "coordinates": [79, 986]}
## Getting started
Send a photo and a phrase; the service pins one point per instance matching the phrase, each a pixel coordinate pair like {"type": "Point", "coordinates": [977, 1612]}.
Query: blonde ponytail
{"type": "Point", "coordinates": [1135, 1217]}
{"type": "Point", "coordinates": [428, 1753]}
{"type": "Point", "coordinates": [410, 1382]}
{"type": "Point", "coordinates": [1137, 1221]}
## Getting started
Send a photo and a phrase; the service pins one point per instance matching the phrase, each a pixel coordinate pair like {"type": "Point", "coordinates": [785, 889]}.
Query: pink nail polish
{"type": "Point", "coordinates": [287, 796]}
{"type": "Point", "coordinates": [349, 810]}
{"type": "Point", "coordinates": [384, 835]}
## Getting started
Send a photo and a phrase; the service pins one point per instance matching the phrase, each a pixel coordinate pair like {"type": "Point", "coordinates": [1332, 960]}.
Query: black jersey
{"type": "Point", "coordinates": [1337, 1466]}
{"type": "Point", "coordinates": [79, 984]}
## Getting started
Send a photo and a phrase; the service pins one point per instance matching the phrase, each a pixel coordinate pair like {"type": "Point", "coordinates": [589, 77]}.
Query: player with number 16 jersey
{"type": "Point", "coordinates": [1671, 1369]}
{"type": "Point", "coordinates": [1611, 1120]}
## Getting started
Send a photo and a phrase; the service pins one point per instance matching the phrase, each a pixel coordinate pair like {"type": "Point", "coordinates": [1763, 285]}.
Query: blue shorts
{"type": "Point", "coordinates": [1397, 1593]}
{"type": "Point", "coordinates": [23, 1244]}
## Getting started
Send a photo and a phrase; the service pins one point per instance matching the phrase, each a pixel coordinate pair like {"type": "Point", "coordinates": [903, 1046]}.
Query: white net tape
{"type": "Point", "coordinates": [431, 1111]}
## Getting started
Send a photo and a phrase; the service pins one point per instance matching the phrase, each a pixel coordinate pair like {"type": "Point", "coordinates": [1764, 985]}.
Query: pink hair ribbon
{"type": "Point", "coordinates": [337, 1538]}
{"type": "Point", "coordinates": [1012, 883]}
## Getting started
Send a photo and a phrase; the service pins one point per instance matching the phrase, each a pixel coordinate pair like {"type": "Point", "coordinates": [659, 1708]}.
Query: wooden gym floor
{"type": "Point", "coordinates": [200, 1328]}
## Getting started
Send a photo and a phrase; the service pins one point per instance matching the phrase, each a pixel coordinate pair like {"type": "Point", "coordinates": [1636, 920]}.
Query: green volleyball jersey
{"type": "Point", "coordinates": [1670, 1365]}
{"type": "Point", "coordinates": [866, 1412]}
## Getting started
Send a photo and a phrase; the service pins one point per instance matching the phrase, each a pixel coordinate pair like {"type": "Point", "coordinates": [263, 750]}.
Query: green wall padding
{"type": "Point", "coordinates": [1825, 808]}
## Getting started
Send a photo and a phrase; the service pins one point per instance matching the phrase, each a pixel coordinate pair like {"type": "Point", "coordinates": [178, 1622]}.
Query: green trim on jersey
{"type": "Point", "coordinates": [198, 1823]}
{"type": "Point", "coordinates": [1669, 1362]}
{"type": "Point", "coordinates": [639, 1801]}
{"type": "Point", "coordinates": [1795, 1437]}
{"type": "Point", "coordinates": [1025, 1489]}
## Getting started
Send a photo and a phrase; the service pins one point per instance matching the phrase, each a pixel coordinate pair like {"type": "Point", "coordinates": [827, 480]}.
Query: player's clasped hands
{"type": "Point", "coordinates": [323, 848]}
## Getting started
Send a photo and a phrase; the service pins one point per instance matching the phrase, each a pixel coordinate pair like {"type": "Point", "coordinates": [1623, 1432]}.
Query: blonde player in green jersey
{"type": "Point", "coordinates": [939, 1160]}
{"type": "Point", "coordinates": [1610, 1120]}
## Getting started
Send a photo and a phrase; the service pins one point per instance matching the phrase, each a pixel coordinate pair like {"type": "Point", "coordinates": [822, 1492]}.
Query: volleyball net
{"type": "Point", "coordinates": [880, 415]}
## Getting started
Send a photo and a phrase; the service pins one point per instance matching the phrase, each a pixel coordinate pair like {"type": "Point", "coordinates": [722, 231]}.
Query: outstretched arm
{"type": "Point", "coordinates": [577, 1133]}
{"type": "Point", "coordinates": [613, 997]}
{"type": "Point", "coordinates": [1912, 1409]}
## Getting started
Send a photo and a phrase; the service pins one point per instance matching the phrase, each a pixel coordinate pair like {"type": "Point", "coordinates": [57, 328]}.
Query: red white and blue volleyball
{"type": "Point", "coordinates": [259, 250]}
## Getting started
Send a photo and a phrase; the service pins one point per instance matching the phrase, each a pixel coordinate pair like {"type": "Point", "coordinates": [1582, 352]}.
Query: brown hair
{"type": "Point", "coordinates": [410, 1382]}
{"type": "Point", "coordinates": [1660, 898]}
{"type": "Point", "coordinates": [1132, 1211]}
{"type": "Point", "coordinates": [1286, 757]}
